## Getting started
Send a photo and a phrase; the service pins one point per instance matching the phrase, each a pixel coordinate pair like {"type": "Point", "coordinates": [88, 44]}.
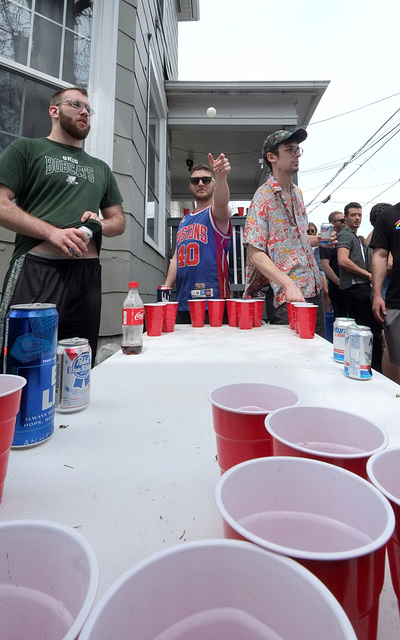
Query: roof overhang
{"type": "Point", "coordinates": [188, 10]}
{"type": "Point", "coordinates": [246, 113]}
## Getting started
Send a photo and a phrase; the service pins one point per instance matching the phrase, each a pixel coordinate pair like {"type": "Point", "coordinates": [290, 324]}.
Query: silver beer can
{"type": "Point", "coordinates": [74, 360]}
{"type": "Point", "coordinates": [339, 333]}
{"type": "Point", "coordinates": [325, 234]}
{"type": "Point", "coordinates": [358, 352]}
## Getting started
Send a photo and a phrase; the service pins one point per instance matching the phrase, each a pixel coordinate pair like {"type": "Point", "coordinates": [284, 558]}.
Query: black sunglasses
{"type": "Point", "coordinates": [205, 180]}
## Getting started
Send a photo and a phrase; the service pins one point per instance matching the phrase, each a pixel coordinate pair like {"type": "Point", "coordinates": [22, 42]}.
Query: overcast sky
{"type": "Point", "coordinates": [353, 44]}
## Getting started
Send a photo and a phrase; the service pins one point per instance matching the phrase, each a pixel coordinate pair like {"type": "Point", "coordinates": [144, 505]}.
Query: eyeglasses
{"type": "Point", "coordinates": [294, 149]}
{"type": "Point", "coordinates": [342, 220]}
{"type": "Point", "coordinates": [77, 104]}
{"type": "Point", "coordinates": [204, 180]}
{"type": "Point", "coordinates": [311, 232]}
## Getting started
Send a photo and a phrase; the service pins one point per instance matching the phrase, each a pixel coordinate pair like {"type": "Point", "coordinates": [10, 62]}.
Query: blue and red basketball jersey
{"type": "Point", "coordinates": [202, 257]}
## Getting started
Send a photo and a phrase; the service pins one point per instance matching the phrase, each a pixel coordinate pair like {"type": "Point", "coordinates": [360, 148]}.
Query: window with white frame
{"type": "Point", "coordinates": [156, 167]}
{"type": "Point", "coordinates": [43, 45]}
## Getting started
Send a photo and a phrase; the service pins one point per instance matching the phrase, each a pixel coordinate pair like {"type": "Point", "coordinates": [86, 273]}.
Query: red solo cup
{"type": "Point", "coordinates": [241, 211]}
{"type": "Point", "coordinates": [49, 576]}
{"type": "Point", "coordinates": [290, 310]}
{"type": "Point", "coordinates": [239, 411]}
{"type": "Point", "coordinates": [154, 314]}
{"type": "Point", "coordinates": [170, 311]}
{"type": "Point", "coordinates": [296, 315]}
{"type": "Point", "coordinates": [383, 470]}
{"type": "Point", "coordinates": [221, 592]}
{"type": "Point", "coordinates": [330, 520]}
{"type": "Point", "coordinates": [197, 309]}
{"type": "Point", "coordinates": [258, 311]}
{"type": "Point", "coordinates": [329, 435]}
{"type": "Point", "coordinates": [246, 314]}
{"type": "Point", "coordinates": [10, 398]}
{"type": "Point", "coordinates": [232, 312]}
{"type": "Point", "coordinates": [216, 311]}
{"type": "Point", "coordinates": [306, 319]}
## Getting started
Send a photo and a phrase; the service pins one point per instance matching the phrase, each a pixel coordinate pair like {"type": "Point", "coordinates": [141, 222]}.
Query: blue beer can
{"type": "Point", "coordinates": [31, 351]}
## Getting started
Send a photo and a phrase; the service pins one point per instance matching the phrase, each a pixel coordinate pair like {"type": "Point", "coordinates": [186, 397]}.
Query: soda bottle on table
{"type": "Point", "coordinates": [132, 321]}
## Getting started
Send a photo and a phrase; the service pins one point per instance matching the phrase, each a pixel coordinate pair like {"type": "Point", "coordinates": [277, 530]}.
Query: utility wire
{"type": "Point", "coordinates": [355, 171]}
{"type": "Point", "coordinates": [379, 194]}
{"type": "Point", "coordinates": [354, 156]}
{"type": "Point", "coordinates": [353, 110]}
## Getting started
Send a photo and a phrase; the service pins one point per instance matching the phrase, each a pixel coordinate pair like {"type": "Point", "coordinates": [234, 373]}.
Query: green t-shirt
{"type": "Point", "coordinates": [56, 183]}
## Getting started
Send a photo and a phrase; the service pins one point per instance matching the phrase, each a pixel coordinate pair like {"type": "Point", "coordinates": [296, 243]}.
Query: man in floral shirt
{"type": "Point", "coordinates": [279, 251]}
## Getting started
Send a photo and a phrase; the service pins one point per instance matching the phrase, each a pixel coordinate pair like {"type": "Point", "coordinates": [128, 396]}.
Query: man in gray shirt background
{"type": "Point", "coordinates": [355, 280]}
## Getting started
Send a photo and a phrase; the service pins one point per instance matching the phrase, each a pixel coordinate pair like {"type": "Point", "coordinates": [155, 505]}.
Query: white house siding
{"type": "Point", "coordinates": [128, 257]}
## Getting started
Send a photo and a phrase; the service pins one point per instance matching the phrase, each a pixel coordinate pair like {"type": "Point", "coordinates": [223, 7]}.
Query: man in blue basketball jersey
{"type": "Point", "coordinates": [199, 265]}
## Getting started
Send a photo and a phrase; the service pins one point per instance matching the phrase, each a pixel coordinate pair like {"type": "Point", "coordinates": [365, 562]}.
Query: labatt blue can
{"type": "Point", "coordinates": [30, 351]}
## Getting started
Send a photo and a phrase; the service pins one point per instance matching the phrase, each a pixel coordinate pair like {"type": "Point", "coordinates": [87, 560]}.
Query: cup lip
{"type": "Point", "coordinates": [371, 474]}
{"type": "Point", "coordinates": [154, 304]}
{"type": "Point", "coordinates": [250, 384]}
{"type": "Point", "coordinates": [21, 383]}
{"type": "Point", "coordinates": [85, 545]}
{"type": "Point", "coordinates": [317, 452]}
{"type": "Point", "coordinates": [363, 550]}
{"type": "Point", "coordinates": [199, 299]}
{"type": "Point", "coordinates": [236, 546]}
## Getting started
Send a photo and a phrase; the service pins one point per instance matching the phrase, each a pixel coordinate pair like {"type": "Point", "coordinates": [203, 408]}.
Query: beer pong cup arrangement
{"type": "Point", "coordinates": [333, 522]}
{"type": "Point", "coordinates": [330, 435]}
{"type": "Point", "coordinates": [10, 398]}
{"type": "Point", "coordinates": [239, 411]}
{"type": "Point", "coordinates": [245, 309]}
{"type": "Point", "coordinates": [231, 306]}
{"type": "Point", "coordinates": [383, 469]}
{"type": "Point", "coordinates": [48, 580]}
{"type": "Point", "coordinates": [218, 589]}
{"type": "Point", "coordinates": [197, 310]}
{"type": "Point", "coordinates": [169, 317]}
{"type": "Point", "coordinates": [154, 316]}
{"type": "Point", "coordinates": [258, 311]}
{"type": "Point", "coordinates": [216, 310]}
{"type": "Point", "coordinates": [305, 319]}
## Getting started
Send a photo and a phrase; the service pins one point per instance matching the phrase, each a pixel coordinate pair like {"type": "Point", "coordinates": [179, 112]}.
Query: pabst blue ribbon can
{"type": "Point", "coordinates": [164, 294]}
{"type": "Point", "coordinates": [339, 333]}
{"type": "Point", "coordinates": [74, 361]}
{"type": "Point", "coordinates": [30, 351]}
{"type": "Point", "coordinates": [358, 352]}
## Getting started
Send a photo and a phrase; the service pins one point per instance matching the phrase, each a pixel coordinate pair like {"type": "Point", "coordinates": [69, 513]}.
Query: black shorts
{"type": "Point", "coordinates": [74, 286]}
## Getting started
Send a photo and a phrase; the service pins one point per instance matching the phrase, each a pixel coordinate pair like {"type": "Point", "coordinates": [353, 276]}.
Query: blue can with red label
{"type": "Point", "coordinates": [30, 351]}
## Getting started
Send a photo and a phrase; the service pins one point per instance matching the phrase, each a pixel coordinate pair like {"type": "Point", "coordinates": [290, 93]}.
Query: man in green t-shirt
{"type": "Point", "coordinates": [49, 187]}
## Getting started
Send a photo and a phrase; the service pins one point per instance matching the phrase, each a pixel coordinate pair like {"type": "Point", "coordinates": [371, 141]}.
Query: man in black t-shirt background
{"type": "Point", "coordinates": [386, 239]}
{"type": "Point", "coordinates": [330, 267]}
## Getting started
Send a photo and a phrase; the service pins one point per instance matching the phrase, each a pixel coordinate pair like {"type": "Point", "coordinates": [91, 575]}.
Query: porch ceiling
{"type": "Point", "coordinates": [246, 113]}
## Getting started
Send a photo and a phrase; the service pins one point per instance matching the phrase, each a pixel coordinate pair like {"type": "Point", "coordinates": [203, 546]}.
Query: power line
{"type": "Point", "coordinates": [357, 153]}
{"type": "Point", "coordinates": [353, 110]}
{"type": "Point", "coordinates": [384, 191]}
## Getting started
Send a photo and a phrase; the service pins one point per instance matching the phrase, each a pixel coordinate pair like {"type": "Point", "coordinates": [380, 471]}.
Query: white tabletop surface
{"type": "Point", "coordinates": [136, 470]}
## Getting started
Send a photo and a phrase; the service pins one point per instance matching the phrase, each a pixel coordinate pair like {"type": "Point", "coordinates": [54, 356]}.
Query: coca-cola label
{"type": "Point", "coordinates": [132, 316]}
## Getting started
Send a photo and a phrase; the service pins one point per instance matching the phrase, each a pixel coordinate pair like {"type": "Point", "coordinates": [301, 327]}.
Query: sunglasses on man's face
{"type": "Point", "coordinates": [204, 180]}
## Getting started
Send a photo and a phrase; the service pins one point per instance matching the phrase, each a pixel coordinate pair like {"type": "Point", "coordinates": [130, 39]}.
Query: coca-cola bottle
{"type": "Point", "coordinates": [132, 321]}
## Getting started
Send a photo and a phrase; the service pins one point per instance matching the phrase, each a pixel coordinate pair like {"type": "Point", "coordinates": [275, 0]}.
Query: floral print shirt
{"type": "Point", "coordinates": [271, 227]}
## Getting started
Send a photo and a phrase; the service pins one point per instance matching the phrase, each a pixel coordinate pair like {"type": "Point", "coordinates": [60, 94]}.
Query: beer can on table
{"type": "Point", "coordinates": [358, 352]}
{"type": "Point", "coordinates": [30, 351]}
{"type": "Point", "coordinates": [74, 361]}
{"type": "Point", "coordinates": [164, 294]}
{"type": "Point", "coordinates": [339, 333]}
{"type": "Point", "coordinates": [325, 234]}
